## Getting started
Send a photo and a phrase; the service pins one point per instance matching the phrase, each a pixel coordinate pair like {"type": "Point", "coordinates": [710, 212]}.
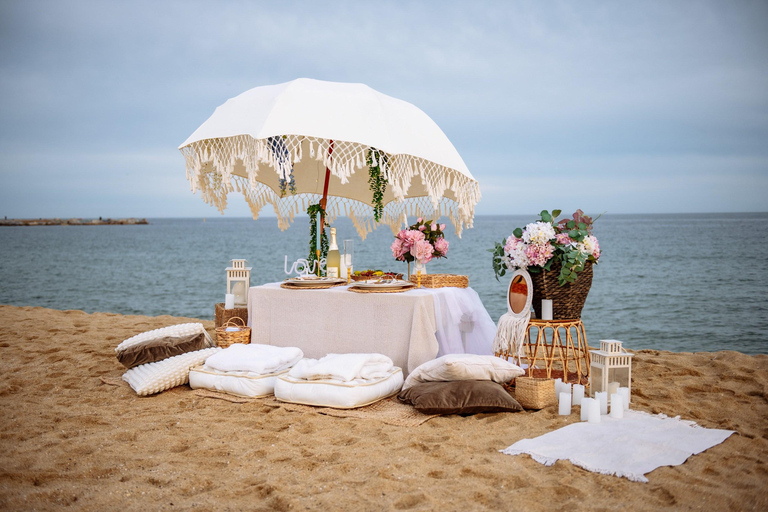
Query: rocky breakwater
{"type": "Point", "coordinates": [72, 222]}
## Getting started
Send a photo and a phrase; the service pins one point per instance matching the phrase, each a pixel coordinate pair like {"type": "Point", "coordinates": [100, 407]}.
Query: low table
{"type": "Point", "coordinates": [561, 345]}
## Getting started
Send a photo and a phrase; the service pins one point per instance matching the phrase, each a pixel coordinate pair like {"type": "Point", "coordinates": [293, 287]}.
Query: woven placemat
{"type": "Point", "coordinates": [291, 286]}
{"type": "Point", "coordinates": [381, 290]}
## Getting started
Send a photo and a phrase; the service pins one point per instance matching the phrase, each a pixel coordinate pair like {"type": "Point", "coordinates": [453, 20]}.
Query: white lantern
{"type": "Point", "coordinates": [610, 364]}
{"type": "Point", "coordinates": [238, 282]}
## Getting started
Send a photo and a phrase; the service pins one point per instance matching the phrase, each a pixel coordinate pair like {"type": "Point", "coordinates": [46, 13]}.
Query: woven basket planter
{"type": "Point", "coordinates": [534, 393]}
{"type": "Point", "coordinates": [226, 338]}
{"type": "Point", "coordinates": [568, 300]}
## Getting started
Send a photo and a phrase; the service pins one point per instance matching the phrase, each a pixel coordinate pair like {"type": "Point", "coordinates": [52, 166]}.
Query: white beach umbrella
{"type": "Point", "coordinates": [319, 135]}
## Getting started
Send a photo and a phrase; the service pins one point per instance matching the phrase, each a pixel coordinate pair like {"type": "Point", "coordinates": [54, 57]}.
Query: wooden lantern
{"type": "Point", "coordinates": [610, 364]}
{"type": "Point", "coordinates": [238, 282]}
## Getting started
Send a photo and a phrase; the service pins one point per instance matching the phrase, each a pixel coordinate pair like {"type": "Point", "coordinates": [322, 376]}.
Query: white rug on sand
{"type": "Point", "coordinates": [629, 447]}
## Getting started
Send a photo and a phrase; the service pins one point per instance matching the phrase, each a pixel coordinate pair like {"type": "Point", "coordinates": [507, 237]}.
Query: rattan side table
{"type": "Point", "coordinates": [561, 345]}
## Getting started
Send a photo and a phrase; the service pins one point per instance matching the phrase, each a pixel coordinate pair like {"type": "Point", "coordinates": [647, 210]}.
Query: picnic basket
{"type": "Point", "coordinates": [226, 338]}
{"type": "Point", "coordinates": [533, 393]}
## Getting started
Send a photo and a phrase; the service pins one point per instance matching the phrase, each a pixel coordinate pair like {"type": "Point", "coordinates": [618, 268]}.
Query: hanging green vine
{"type": "Point", "coordinates": [376, 180]}
{"type": "Point", "coordinates": [312, 211]}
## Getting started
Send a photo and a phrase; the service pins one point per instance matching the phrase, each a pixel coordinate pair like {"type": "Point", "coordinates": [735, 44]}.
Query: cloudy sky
{"type": "Point", "coordinates": [624, 107]}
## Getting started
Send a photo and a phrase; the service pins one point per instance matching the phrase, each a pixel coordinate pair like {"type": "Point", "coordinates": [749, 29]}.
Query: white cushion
{"type": "Point", "coordinates": [452, 367]}
{"type": "Point", "coordinates": [234, 383]}
{"type": "Point", "coordinates": [166, 374]}
{"type": "Point", "coordinates": [338, 394]}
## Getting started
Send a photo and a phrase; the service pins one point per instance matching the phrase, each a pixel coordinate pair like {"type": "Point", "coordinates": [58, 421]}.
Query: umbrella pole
{"type": "Point", "coordinates": [323, 202]}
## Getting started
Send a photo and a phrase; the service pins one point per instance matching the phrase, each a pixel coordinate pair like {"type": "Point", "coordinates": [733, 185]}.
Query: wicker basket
{"type": "Point", "coordinates": [567, 300]}
{"type": "Point", "coordinates": [441, 280]}
{"type": "Point", "coordinates": [226, 338]}
{"type": "Point", "coordinates": [534, 393]}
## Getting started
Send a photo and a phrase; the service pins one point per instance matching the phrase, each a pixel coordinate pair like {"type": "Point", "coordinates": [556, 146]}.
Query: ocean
{"type": "Point", "coordinates": [679, 282]}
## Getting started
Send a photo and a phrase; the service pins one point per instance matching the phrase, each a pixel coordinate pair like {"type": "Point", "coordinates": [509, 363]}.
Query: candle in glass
{"type": "Point", "coordinates": [349, 248]}
{"type": "Point", "coordinates": [613, 388]}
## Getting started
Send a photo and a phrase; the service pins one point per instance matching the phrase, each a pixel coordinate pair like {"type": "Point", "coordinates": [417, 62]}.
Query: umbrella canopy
{"type": "Point", "coordinates": [299, 131]}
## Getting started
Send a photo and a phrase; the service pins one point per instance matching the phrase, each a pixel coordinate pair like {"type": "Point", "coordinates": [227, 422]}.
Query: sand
{"type": "Point", "coordinates": [68, 439]}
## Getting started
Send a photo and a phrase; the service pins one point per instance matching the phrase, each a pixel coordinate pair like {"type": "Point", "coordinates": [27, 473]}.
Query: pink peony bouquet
{"type": "Point", "coordinates": [421, 241]}
{"type": "Point", "coordinates": [539, 245]}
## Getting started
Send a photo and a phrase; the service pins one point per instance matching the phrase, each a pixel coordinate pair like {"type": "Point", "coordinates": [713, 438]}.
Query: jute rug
{"type": "Point", "coordinates": [390, 411]}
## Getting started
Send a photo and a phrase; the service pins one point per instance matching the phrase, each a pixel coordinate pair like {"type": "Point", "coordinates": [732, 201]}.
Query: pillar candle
{"type": "Point", "coordinates": [602, 400]}
{"type": "Point", "coordinates": [617, 406]}
{"type": "Point", "coordinates": [624, 392]}
{"type": "Point", "coordinates": [546, 309]}
{"type": "Point", "coordinates": [578, 394]}
{"type": "Point", "coordinates": [613, 388]}
{"type": "Point", "coordinates": [585, 408]}
{"type": "Point", "coordinates": [229, 301]}
{"type": "Point", "coordinates": [558, 384]}
{"type": "Point", "coordinates": [593, 411]}
{"type": "Point", "coordinates": [565, 404]}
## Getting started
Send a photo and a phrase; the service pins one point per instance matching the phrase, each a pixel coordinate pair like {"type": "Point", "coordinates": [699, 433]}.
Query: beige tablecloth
{"type": "Point", "coordinates": [319, 322]}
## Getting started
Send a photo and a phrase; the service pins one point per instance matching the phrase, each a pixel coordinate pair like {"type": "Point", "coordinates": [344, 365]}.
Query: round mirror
{"type": "Point", "coordinates": [520, 294]}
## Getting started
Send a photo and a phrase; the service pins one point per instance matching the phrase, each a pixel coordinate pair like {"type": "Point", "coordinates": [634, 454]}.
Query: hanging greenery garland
{"type": "Point", "coordinates": [312, 211]}
{"type": "Point", "coordinates": [376, 180]}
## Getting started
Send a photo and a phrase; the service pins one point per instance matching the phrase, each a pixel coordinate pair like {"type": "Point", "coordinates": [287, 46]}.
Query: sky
{"type": "Point", "coordinates": [614, 106]}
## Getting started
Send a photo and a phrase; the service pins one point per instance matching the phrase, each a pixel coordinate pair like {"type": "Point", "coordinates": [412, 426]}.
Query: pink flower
{"type": "Point", "coordinates": [539, 254]}
{"type": "Point", "coordinates": [422, 251]}
{"type": "Point", "coordinates": [397, 249]}
{"type": "Point", "coordinates": [511, 244]}
{"type": "Point", "coordinates": [410, 237]}
{"type": "Point", "coordinates": [433, 227]}
{"type": "Point", "coordinates": [442, 227]}
{"type": "Point", "coordinates": [422, 227]}
{"type": "Point", "coordinates": [563, 239]}
{"type": "Point", "coordinates": [419, 220]}
{"type": "Point", "coordinates": [441, 247]}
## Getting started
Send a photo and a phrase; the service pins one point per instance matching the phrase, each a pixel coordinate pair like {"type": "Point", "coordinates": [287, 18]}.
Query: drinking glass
{"type": "Point", "coordinates": [349, 250]}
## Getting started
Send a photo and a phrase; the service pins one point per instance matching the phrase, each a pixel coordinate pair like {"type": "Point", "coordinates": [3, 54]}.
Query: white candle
{"type": "Point", "coordinates": [546, 309]}
{"type": "Point", "coordinates": [602, 400]}
{"type": "Point", "coordinates": [585, 408]}
{"type": "Point", "coordinates": [613, 388]}
{"type": "Point", "coordinates": [565, 404]}
{"type": "Point", "coordinates": [617, 406]}
{"type": "Point", "coordinates": [578, 394]}
{"type": "Point", "coordinates": [624, 392]}
{"type": "Point", "coordinates": [229, 301]}
{"type": "Point", "coordinates": [558, 385]}
{"type": "Point", "coordinates": [593, 411]}
{"type": "Point", "coordinates": [566, 388]}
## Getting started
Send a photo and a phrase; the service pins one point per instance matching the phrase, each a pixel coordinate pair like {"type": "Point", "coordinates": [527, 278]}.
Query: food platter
{"type": "Point", "coordinates": [382, 284]}
{"type": "Point", "coordinates": [314, 281]}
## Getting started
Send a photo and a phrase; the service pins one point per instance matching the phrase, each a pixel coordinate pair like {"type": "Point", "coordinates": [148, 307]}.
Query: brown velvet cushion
{"type": "Point", "coordinates": [459, 397]}
{"type": "Point", "coordinates": [161, 348]}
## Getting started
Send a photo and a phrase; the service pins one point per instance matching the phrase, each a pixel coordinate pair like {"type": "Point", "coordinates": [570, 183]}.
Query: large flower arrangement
{"type": "Point", "coordinates": [422, 241]}
{"type": "Point", "coordinates": [544, 243]}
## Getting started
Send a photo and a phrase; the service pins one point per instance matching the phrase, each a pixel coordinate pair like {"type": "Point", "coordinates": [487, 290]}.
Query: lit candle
{"type": "Point", "coordinates": [613, 388]}
{"type": "Point", "coordinates": [565, 404]}
{"type": "Point", "coordinates": [229, 301]}
{"type": "Point", "coordinates": [585, 408]}
{"type": "Point", "coordinates": [624, 392]}
{"type": "Point", "coordinates": [602, 400]}
{"type": "Point", "coordinates": [578, 394]}
{"type": "Point", "coordinates": [593, 411]}
{"type": "Point", "coordinates": [617, 406]}
{"type": "Point", "coordinates": [546, 309]}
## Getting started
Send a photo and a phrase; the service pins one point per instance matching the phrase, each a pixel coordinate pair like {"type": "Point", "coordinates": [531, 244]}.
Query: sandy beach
{"type": "Point", "coordinates": [71, 440]}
